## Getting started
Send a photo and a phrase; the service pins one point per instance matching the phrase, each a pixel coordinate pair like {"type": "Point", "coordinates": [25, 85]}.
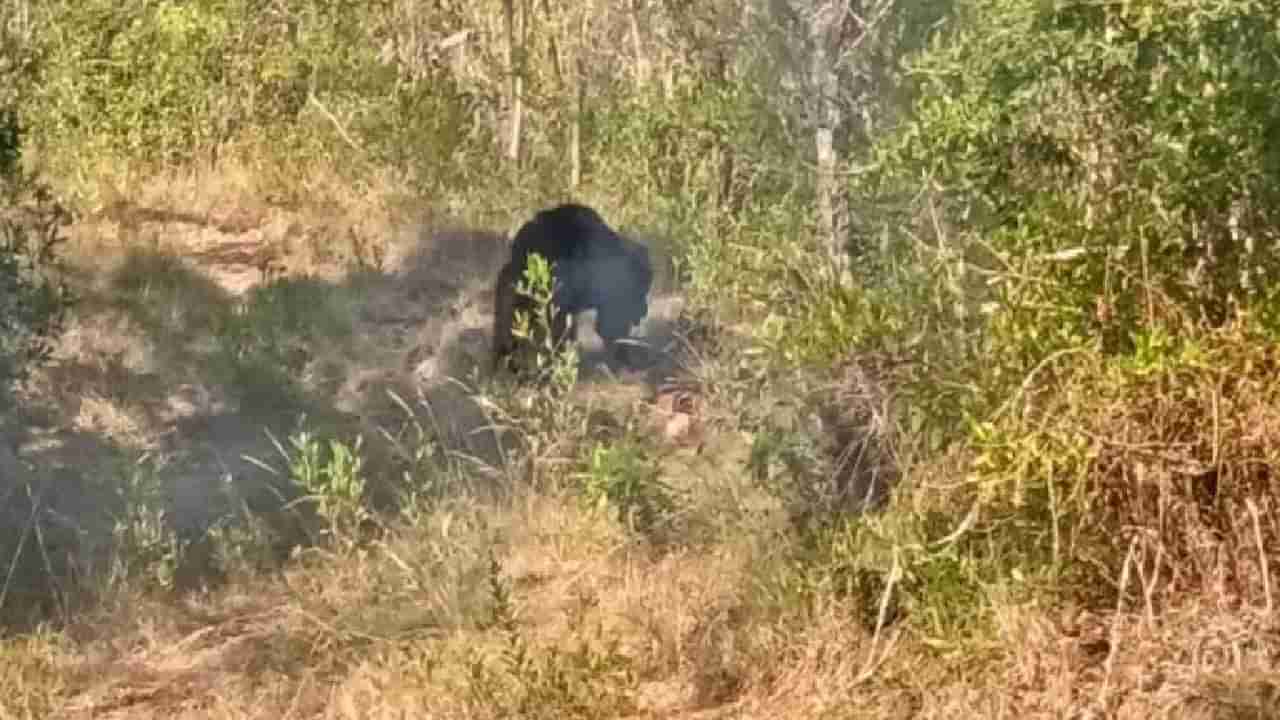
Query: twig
{"type": "Point", "coordinates": [1113, 648]}
{"type": "Point", "coordinates": [1262, 554]}
{"type": "Point", "coordinates": [961, 529]}
{"type": "Point", "coordinates": [336, 124]}
{"type": "Point", "coordinates": [895, 574]}
{"type": "Point", "coordinates": [1031, 376]}
{"type": "Point", "coordinates": [17, 553]}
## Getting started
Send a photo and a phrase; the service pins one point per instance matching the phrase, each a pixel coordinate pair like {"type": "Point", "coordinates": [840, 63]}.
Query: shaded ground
{"type": "Point", "coordinates": [200, 340]}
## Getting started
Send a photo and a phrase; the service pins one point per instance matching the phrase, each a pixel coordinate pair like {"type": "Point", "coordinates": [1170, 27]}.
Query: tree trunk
{"type": "Point", "coordinates": [580, 82]}
{"type": "Point", "coordinates": [822, 78]}
{"type": "Point", "coordinates": [515, 37]}
{"type": "Point", "coordinates": [637, 48]}
{"type": "Point", "coordinates": [729, 201]}
{"type": "Point", "coordinates": [575, 125]}
{"type": "Point", "coordinates": [827, 117]}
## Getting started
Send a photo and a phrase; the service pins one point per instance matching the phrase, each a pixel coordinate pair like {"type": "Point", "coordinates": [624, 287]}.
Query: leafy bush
{"type": "Point", "coordinates": [623, 478]}
{"type": "Point", "coordinates": [1151, 467]}
{"type": "Point", "coordinates": [33, 298]}
{"type": "Point", "coordinates": [1072, 176]}
{"type": "Point", "coordinates": [1073, 241]}
{"type": "Point", "coordinates": [176, 82]}
{"type": "Point", "coordinates": [332, 478]}
{"type": "Point", "coordinates": [554, 360]}
{"type": "Point", "coordinates": [1115, 166]}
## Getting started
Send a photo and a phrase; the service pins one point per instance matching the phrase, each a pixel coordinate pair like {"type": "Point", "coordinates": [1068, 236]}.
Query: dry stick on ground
{"type": "Point", "coordinates": [873, 663]}
{"type": "Point", "coordinates": [1262, 555]}
{"type": "Point", "coordinates": [22, 542]}
{"type": "Point", "coordinates": [1114, 644]}
{"type": "Point", "coordinates": [43, 547]}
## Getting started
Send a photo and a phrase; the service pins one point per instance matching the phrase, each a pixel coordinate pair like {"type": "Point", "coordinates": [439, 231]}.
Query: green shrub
{"type": "Point", "coordinates": [176, 82]}
{"type": "Point", "coordinates": [332, 478]}
{"type": "Point", "coordinates": [624, 479]}
{"type": "Point", "coordinates": [553, 360]}
{"type": "Point", "coordinates": [33, 298]}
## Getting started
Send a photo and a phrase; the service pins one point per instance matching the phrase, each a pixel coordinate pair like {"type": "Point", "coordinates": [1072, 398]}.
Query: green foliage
{"type": "Point", "coordinates": [788, 464]}
{"type": "Point", "coordinates": [132, 78]}
{"type": "Point", "coordinates": [555, 360]}
{"type": "Point", "coordinates": [1073, 176]}
{"type": "Point", "coordinates": [145, 545]}
{"type": "Point", "coordinates": [1132, 460]}
{"type": "Point", "coordinates": [1083, 190]}
{"type": "Point", "coordinates": [178, 81]}
{"type": "Point", "coordinates": [627, 479]}
{"type": "Point", "coordinates": [33, 297]}
{"type": "Point", "coordinates": [333, 479]}
{"type": "Point", "coordinates": [1115, 160]}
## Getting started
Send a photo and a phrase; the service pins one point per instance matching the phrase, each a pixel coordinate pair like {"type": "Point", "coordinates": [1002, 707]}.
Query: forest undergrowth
{"type": "Point", "coordinates": [958, 395]}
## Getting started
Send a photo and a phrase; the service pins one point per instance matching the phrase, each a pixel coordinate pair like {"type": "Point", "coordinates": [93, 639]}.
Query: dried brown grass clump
{"type": "Point", "coordinates": [1198, 662]}
{"type": "Point", "coordinates": [831, 451]}
{"type": "Point", "coordinates": [1147, 477]}
{"type": "Point", "coordinates": [860, 443]}
{"type": "Point", "coordinates": [1183, 487]}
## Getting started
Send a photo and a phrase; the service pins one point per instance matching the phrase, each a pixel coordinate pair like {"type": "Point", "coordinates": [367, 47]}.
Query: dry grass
{"type": "Point", "coordinates": [408, 627]}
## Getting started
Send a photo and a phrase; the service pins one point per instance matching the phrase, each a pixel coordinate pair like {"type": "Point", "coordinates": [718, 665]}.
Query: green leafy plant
{"type": "Point", "coordinates": [146, 547]}
{"type": "Point", "coordinates": [625, 479]}
{"type": "Point", "coordinates": [331, 476]}
{"type": "Point", "coordinates": [555, 360]}
{"type": "Point", "coordinates": [536, 407]}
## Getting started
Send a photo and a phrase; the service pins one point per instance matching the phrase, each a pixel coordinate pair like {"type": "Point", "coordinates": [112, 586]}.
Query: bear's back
{"type": "Point", "coordinates": [568, 232]}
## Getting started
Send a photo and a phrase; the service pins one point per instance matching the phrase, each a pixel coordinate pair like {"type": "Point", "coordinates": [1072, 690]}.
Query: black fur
{"type": "Point", "coordinates": [593, 268]}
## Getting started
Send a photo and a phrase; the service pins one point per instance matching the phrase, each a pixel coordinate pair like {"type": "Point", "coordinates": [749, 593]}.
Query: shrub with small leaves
{"type": "Point", "coordinates": [33, 298]}
{"type": "Point", "coordinates": [623, 478]}
{"type": "Point", "coordinates": [332, 477]}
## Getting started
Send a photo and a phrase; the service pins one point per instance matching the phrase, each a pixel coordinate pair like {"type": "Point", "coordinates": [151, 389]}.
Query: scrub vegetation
{"type": "Point", "coordinates": [958, 394]}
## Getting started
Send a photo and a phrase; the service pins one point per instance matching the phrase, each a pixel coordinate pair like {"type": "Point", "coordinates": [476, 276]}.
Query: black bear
{"type": "Point", "coordinates": [592, 268]}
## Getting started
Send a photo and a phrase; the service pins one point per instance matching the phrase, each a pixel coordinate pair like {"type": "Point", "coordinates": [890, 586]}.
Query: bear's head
{"type": "Point", "coordinates": [624, 282]}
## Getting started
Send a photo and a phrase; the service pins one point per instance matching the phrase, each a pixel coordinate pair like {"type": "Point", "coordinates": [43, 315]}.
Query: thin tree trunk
{"type": "Point", "coordinates": [637, 47]}
{"type": "Point", "coordinates": [553, 45]}
{"type": "Point", "coordinates": [575, 126]}
{"type": "Point", "coordinates": [823, 79]}
{"type": "Point", "coordinates": [579, 102]}
{"type": "Point", "coordinates": [515, 36]}
{"type": "Point", "coordinates": [729, 201]}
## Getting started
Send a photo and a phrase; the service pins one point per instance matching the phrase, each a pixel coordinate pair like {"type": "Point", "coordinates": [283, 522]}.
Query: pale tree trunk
{"type": "Point", "coordinates": [515, 47]}
{"type": "Point", "coordinates": [824, 24]}
{"type": "Point", "coordinates": [575, 125]}
{"type": "Point", "coordinates": [834, 74]}
{"type": "Point", "coordinates": [580, 80]}
{"type": "Point", "coordinates": [573, 83]}
{"type": "Point", "coordinates": [637, 47]}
